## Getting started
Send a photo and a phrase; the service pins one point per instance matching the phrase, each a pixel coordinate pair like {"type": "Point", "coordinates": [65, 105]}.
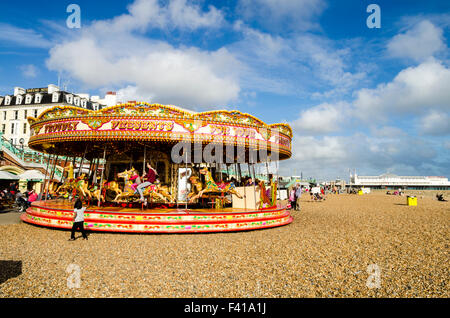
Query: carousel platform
{"type": "Point", "coordinates": [59, 214]}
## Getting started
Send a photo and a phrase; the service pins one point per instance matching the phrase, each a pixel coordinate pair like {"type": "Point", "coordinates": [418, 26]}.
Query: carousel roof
{"type": "Point", "coordinates": [169, 111]}
{"type": "Point", "coordinates": [156, 123]}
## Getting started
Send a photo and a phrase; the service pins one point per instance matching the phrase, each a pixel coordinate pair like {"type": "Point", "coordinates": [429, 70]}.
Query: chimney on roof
{"type": "Point", "coordinates": [52, 88]}
{"type": "Point", "coordinates": [110, 99]}
{"type": "Point", "coordinates": [19, 91]}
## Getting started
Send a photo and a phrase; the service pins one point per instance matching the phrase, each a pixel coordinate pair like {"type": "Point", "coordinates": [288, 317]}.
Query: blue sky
{"type": "Point", "coordinates": [376, 100]}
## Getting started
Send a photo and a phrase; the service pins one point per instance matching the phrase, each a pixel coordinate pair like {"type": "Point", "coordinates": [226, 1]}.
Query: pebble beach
{"type": "Point", "coordinates": [371, 245]}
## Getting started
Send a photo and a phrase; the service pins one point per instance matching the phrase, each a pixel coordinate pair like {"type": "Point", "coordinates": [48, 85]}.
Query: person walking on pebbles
{"type": "Point", "coordinates": [78, 220]}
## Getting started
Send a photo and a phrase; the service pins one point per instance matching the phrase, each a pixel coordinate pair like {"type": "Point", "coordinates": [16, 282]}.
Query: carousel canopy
{"type": "Point", "coordinates": [226, 135]}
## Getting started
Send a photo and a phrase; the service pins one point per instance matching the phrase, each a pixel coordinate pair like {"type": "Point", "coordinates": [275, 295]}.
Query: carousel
{"type": "Point", "coordinates": [150, 168]}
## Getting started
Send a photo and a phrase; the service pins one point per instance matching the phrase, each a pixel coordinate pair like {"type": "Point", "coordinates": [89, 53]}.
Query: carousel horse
{"type": "Point", "coordinates": [52, 188]}
{"type": "Point", "coordinates": [69, 183]}
{"type": "Point", "coordinates": [69, 170]}
{"type": "Point", "coordinates": [66, 188]}
{"type": "Point", "coordinates": [127, 190]}
{"type": "Point", "coordinates": [95, 192]}
{"type": "Point", "coordinates": [154, 192]}
{"type": "Point", "coordinates": [212, 186]}
{"type": "Point", "coordinates": [164, 191]}
{"type": "Point", "coordinates": [197, 186]}
{"type": "Point", "coordinates": [111, 187]}
{"type": "Point", "coordinates": [81, 186]}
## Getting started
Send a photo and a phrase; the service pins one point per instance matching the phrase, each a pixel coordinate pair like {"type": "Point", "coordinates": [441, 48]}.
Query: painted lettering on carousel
{"type": "Point", "coordinates": [283, 141]}
{"type": "Point", "coordinates": [232, 131]}
{"type": "Point", "coordinates": [61, 127]}
{"type": "Point", "coordinates": [142, 125]}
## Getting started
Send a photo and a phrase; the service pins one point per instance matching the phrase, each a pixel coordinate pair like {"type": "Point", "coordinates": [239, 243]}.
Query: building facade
{"type": "Point", "coordinates": [24, 103]}
{"type": "Point", "coordinates": [338, 183]}
{"type": "Point", "coordinates": [392, 181]}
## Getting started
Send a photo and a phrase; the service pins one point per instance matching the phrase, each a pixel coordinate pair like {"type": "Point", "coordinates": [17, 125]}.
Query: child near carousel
{"type": "Point", "coordinates": [78, 221]}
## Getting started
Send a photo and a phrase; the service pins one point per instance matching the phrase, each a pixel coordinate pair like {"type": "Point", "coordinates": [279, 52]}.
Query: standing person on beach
{"type": "Point", "coordinates": [78, 220]}
{"type": "Point", "coordinates": [292, 198]}
{"type": "Point", "coordinates": [298, 194]}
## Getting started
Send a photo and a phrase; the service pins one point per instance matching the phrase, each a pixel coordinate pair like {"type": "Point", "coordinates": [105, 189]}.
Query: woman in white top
{"type": "Point", "coordinates": [78, 220]}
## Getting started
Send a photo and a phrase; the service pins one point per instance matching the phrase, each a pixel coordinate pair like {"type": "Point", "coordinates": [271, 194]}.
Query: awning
{"type": "Point", "coordinates": [5, 175]}
{"type": "Point", "coordinates": [32, 175]}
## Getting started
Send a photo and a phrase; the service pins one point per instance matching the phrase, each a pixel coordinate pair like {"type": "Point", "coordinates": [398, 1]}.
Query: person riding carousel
{"type": "Point", "coordinates": [136, 179]}
{"type": "Point", "coordinates": [149, 179]}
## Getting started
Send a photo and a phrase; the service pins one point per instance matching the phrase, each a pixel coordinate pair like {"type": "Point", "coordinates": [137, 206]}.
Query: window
{"type": "Point", "coordinates": [38, 98]}
{"type": "Point", "coordinates": [24, 128]}
{"type": "Point", "coordinates": [3, 128]}
{"type": "Point", "coordinates": [25, 112]}
{"type": "Point", "coordinates": [28, 99]}
{"type": "Point", "coordinates": [69, 99]}
{"type": "Point", "coordinates": [4, 115]}
{"type": "Point", "coordinates": [76, 101]}
{"type": "Point", "coordinates": [16, 114]}
{"type": "Point", "coordinates": [55, 97]}
{"type": "Point", "coordinates": [13, 128]}
{"type": "Point", "coordinates": [35, 113]}
{"type": "Point", "coordinates": [7, 100]}
{"type": "Point", "coordinates": [19, 99]}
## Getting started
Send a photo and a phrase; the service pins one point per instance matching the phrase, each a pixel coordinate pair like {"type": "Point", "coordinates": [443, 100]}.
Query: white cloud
{"type": "Point", "coordinates": [116, 53]}
{"type": "Point", "coordinates": [23, 37]}
{"type": "Point", "coordinates": [387, 132]}
{"type": "Point", "coordinates": [420, 42]}
{"type": "Point", "coordinates": [322, 119]}
{"type": "Point", "coordinates": [320, 157]}
{"type": "Point", "coordinates": [327, 150]}
{"type": "Point", "coordinates": [111, 54]}
{"type": "Point", "coordinates": [29, 70]}
{"type": "Point", "coordinates": [264, 47]}
{"type": "Point", "coordinates": [420, 93]}
{"type": "Point", "coordinates": [328, 63]}
{"type": "Point", "coordinates": [435, 123]}
{"type": "Point", "coordinates": [300, 63]}
{"type": "Point", "coordinates": [282, 15]}
{"type": "Point", "coordinates": [446, 144]}
{"type": "Point", "coordinates": [327, 157]}
{"type": "Point", "coordinates": [415, 90]}
{"type": "Point", "coordinates": [190, 16]}
{"type": "Point", "coordinates": [177, 14]}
